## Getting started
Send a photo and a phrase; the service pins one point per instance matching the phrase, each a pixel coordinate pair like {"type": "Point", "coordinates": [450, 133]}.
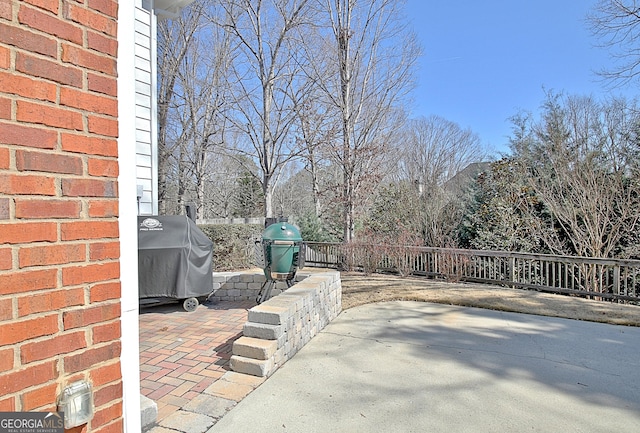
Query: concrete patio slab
{"type": "Point", "coordinates": [420, 367]}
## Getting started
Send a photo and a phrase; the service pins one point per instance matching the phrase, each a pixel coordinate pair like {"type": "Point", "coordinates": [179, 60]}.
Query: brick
{"type": "Point", "coordinates": [89, 145]}
{"type": "Point", "coordinates": [105, 333]}
{"type": "Point", "coordinates": [5, 10]}
{"type": "Point", "coordinates": [48, 115]}
{"type": "Point", "coordinates": [49, 348]}
{"type": "Point", "coordinates": [19, 233]}
{"type": "Point", "coordinates": [51, 255]}
{"type": "Point", "coordinates": [5, 105]}
{"type": "Point", "coordinates": [107, 394]}
{"type": "Point", "coordinates": [101, 104]}
{"type": "Point", "coordinates": [28, 41]}
{"type": "Point", "coordinates": [115, 427]}
{"type": "Point", "coordinates": [106, 374]}
{"type": "Point", "coordinates": [109, 413]}
{"type": "Point", "coordinates": [49, 5]}
{"type": "Point", "coordinates": [107, 7]}
{"type": "Point", "coordinates": [102, 84]}
{"type": "Point", "coordinates": [20, 282]}
{"type": "Point", "coordinates": [27, 184]}
{"type": "Point", "coordinates": [48, 162]}
{"type": "Point", "coordinates": [6, 309]}
{"type": "Point", "coordinates": [102, 126]}
{"type": "Point", "coordinates": [243, 379]}
{"type": "Point", "coordinates": [104, 251]}
{"type": "Point", "coordinates": [102, 167]}
{"type": "Point", "coordinates": [28, 136]}
{"type": "Point", "coordinates": [5, 158]}
{"type": "Point", "coordinates": [18, 380]}
{"type": "Point", "coordinates": [5, 208]}
{"type": "Point", "coordinates": [39, 397]}
{"type": "Point", "coordinates": [50, 24]}
{"type": "Point", "coordinates": [80, 230]}
{"type": "Point", "coordinates": [89, 358]}
{"type": "Point", "coordinates": [105, 291]}
{"type": "Point", "coordinates": [88, 59]}
{"type": "Point", "coordinates": [50, 70]}
{"type": "Point", "coordinates": [75, 275]}
{"type": "Point", "coordinates": [51, 300]}
{"type": "Point", "coordinates": [102, 43]}
{"type": "Point", "coordinates": [46, 209]}
{"type": "Point", "coordinates": [5, 58]}
{"type": "Point", "coordinates": [28, 87]}
{"type": "Point", "coordinates": [8, 404]}
{"type": "Point", "coordinates": [5, 259]}
{"type": "Point", "coordinates": [91, 19]}
{"type": "Point", "coordinates": [88, 188]}
{"type": "Point", "coordinates": [230, 390]}
{"type": "Point", "coordinates": [16, 332]}
{"type": "Point", "coordinates": [103, 208]}
{"type": "Point", "coordinates": [6, 359]}
{"type": "Point", "coordinates": [89, 315]}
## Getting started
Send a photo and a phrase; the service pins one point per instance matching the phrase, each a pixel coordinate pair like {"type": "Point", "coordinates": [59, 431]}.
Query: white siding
{"type": "Point", "coordinates": [144, 28]}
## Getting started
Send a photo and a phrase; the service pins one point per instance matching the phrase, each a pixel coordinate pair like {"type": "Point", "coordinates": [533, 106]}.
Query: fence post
{"type": "Point", "coordinates": [512, 271]}
{"type": "Point", "coordinates": [436, 267]}
{"type": "Point", "coordinates": [616, 279]}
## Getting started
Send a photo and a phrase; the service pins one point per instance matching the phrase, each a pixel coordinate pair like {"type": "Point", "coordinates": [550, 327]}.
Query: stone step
{"type": "Point", "coordinates": [254, 348]}
{"type": "Point", "coordinates": [262, 331]}
{"type": "Point", "coordinates": [275, 311]}
{"type": "Point", "coordinates": [148, 411]}
{"type": "Point", "coordinates": [253, 367]}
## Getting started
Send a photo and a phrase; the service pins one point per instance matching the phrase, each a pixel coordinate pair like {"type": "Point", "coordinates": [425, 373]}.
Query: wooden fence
{"type": "Point", "coordinates": [610, 279]}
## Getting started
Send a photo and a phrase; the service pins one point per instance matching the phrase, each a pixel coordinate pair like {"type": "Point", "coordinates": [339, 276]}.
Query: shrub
{"type": "Point", "coordinates": [233, 245]}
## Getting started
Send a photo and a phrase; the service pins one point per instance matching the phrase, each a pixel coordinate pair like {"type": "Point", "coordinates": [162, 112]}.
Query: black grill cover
{"type": "Point", "coordinates": [175, 258]}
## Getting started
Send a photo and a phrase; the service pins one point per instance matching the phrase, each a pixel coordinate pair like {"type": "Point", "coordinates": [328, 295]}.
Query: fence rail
{"type": "Point", "coordinates": [610, 279]}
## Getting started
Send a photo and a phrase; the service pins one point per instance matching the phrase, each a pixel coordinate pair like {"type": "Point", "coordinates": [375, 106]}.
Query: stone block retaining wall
{"type": "Point", "coordinates": [243, 286]}
{"type": "Point", "coordinates": [279, 327]}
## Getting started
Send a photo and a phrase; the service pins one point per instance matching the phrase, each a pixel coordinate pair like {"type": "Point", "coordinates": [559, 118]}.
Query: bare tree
{"type": "Point", "coordinates": [436, 149]}
{"type": "Point", "coordinates": [265, 71]}
{"type": "Point", "coordinates": [440, 159]}
{"type": "Point", "coordinates": [175, 40]}
{"type": "Point", "coordinates": [203, 98]}
{"type": "Point", "coordinates": [365, 72]}
{"type": "Point", "coordinates": [231, 190]}
{"type": "Point", "coordinates": [616, 24]}
{"type": "Point", "coordinates": [221, 187]}
{"type": "Point", "coordinates": [316, 129]}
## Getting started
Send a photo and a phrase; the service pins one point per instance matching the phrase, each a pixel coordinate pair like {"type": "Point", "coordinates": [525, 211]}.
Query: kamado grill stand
{"type": "Point", "coordinates": [280, 253]}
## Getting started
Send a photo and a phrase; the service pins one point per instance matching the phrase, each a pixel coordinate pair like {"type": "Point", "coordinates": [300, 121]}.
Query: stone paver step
{"type": "Point", "coordinates": [254, 367]}
{"type": "Point", "coordinates": [254, 348]}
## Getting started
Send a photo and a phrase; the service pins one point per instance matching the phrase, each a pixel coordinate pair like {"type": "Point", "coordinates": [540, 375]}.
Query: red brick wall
{"type": "Point", "coordinates": [59, 269]}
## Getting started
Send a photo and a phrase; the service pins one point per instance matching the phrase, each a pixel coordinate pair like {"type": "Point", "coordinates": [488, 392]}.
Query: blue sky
{"type": "Point", "coordinates": [484, 60]}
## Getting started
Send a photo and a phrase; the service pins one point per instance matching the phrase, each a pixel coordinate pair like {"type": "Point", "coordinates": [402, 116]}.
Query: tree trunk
{"type": "Point", "coordinates": [268, 202]}
{"type": "Point", "coordinates": [315, 187]}
{"type": "Point", "coordinates": [343, 36]}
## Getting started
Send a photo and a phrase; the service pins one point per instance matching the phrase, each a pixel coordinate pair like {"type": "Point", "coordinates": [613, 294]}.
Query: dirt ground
{"type": "Point", "coordinates": [359, 289]}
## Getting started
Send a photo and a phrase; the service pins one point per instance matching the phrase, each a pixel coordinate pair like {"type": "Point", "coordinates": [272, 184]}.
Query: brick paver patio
{"type": "Point", "coordinates": [182, 354]}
